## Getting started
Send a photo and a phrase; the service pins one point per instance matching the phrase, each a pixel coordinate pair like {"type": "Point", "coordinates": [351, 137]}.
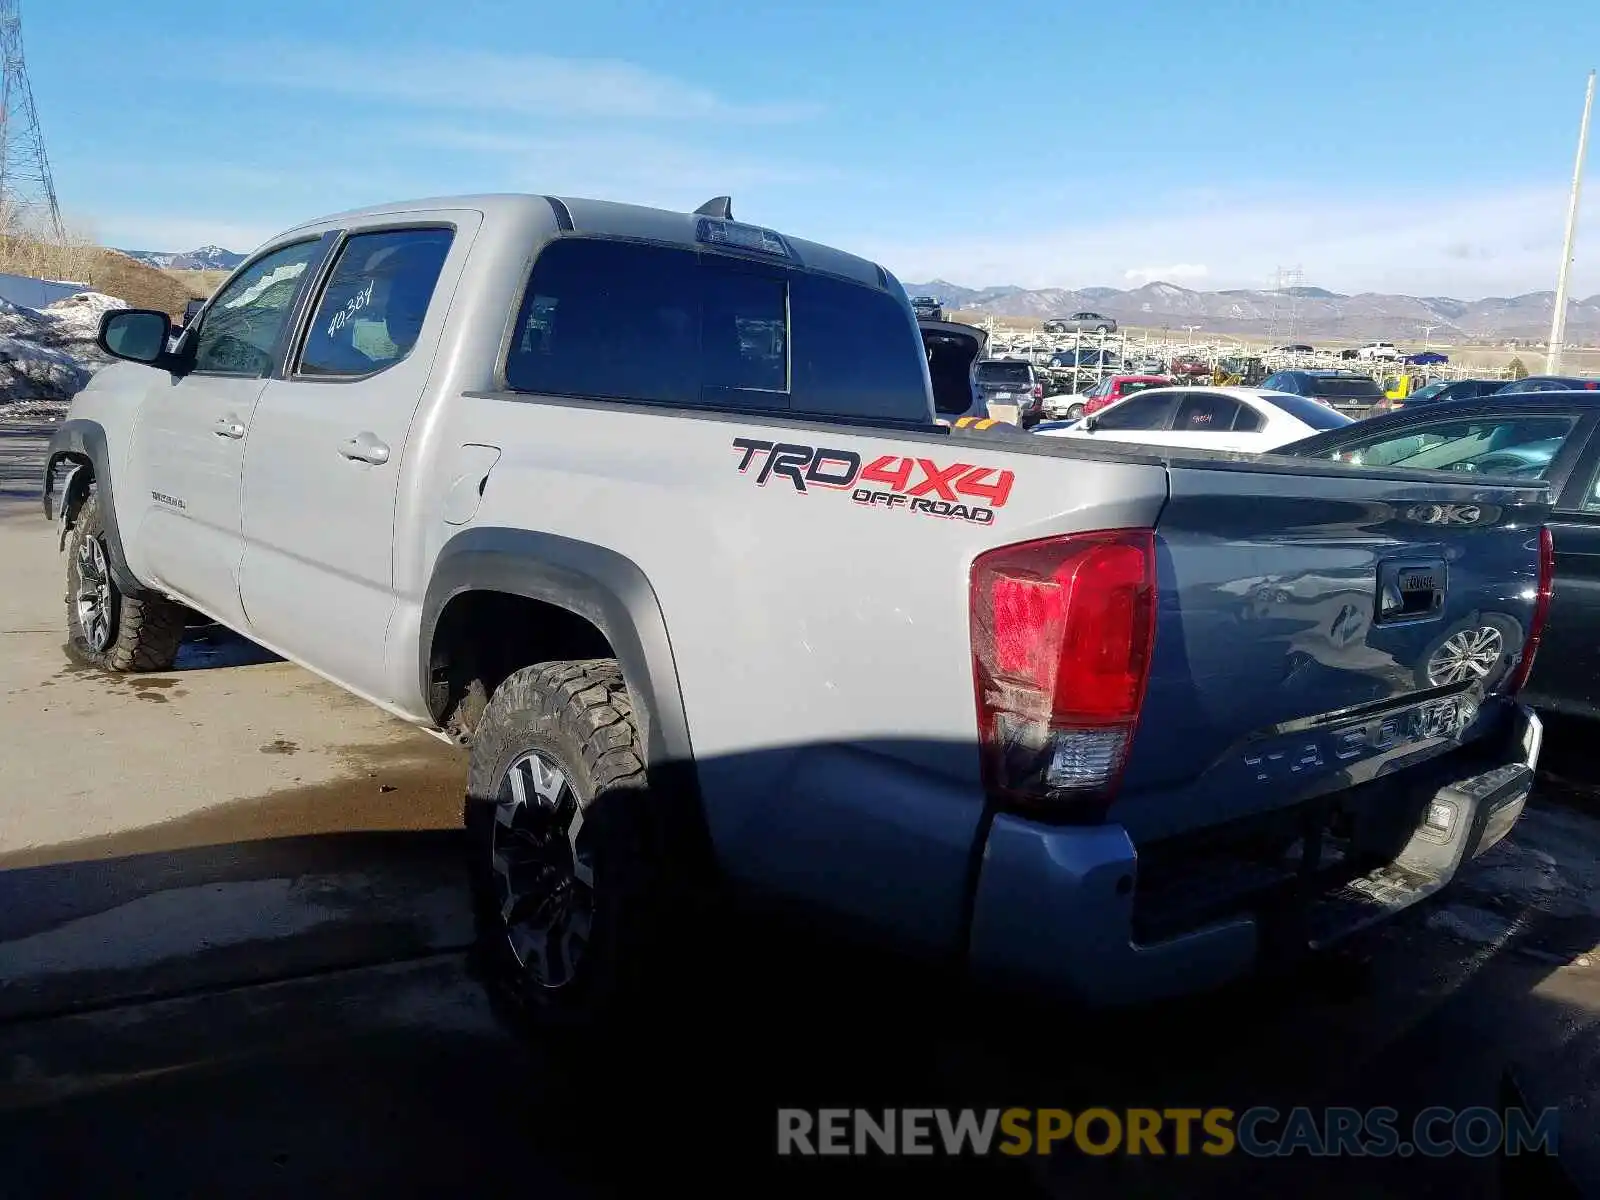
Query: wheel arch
{"type": "Point", "coordinates": [605, 591]}
{"type": "Point", "coordinates": [82, 443]}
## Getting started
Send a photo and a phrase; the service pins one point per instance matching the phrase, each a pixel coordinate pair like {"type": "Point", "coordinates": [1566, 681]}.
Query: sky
{"type": "Point", "coordinates": [1424, 147]}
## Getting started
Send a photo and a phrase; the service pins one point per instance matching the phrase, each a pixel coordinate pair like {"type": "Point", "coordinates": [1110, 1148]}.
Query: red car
{"type": "Point", "coordinates": [1107, 391]}
{"type": "Point", "coordinates": [1190, 366]}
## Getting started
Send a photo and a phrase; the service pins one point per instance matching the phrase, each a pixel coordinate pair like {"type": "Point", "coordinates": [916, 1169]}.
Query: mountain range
{"type": "Point", "coordinates": [206, 258]}
{"type": "Point", "coordinates": [1287, 314]}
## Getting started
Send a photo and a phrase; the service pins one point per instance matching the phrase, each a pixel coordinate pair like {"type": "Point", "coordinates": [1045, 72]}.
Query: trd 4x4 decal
{"type": "Point", "coordinates": [920, 485]}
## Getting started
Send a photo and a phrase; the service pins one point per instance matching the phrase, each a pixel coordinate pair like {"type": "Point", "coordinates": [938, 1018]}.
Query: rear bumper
{"type": "Point", "coordinates": [1054, 908]}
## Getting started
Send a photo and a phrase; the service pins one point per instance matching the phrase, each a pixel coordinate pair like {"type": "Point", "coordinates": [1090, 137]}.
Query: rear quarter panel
{"type": "Point", "coordinates": [822, 645]}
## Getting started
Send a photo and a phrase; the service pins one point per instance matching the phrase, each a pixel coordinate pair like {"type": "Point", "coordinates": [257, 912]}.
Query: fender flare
{"type": "Point", "coordinates": [605, 588]}
{"type": "Point", "coordinates": [83, 441]}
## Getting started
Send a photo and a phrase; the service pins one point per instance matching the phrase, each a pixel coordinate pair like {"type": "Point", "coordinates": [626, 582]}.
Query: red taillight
{"type": "Point", "coordinates": [1062, 633]}
{"type": "Point", "coordinates": [1541, 611]}
{"type": "Point", "coordinates": [1038, 391]}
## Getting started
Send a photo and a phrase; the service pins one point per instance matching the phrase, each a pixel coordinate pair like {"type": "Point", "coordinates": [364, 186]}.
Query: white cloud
{"type": "Point", "coordinates": [632, 167]}
{"type": "Point", "coordinates": [536, 85]}
{"type": "Point", "coordinates": [1176, 273]}
{"type": "Point", "coordinates": [1390, 243]}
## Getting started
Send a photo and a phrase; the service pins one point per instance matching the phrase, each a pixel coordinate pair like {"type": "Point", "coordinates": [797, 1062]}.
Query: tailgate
{"type": "Point", "coordinates": [1318, 628]}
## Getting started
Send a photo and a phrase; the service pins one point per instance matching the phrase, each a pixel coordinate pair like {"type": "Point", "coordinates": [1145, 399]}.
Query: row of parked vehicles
{"type": "Point", "coordinates": [656, 515]}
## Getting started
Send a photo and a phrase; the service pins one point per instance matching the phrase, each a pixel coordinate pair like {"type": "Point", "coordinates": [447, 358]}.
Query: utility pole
{"type": "Point", "coordinates": [1426, 330]}
{"type": "Point", "coordinates": [1558, 322]}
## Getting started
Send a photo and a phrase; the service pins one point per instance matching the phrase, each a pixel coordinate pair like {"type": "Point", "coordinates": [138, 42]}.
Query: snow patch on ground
{"type": "Point", "coordinates": [48, 355]}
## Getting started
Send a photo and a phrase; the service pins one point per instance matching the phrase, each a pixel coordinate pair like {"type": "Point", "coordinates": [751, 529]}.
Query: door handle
{"type": "Point", "coordinates": [228, 427]}
{"type": "Point", "coordinates": [365, 447]}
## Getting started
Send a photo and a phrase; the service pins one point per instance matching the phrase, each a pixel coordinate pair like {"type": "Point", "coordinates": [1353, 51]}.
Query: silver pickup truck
{"type": "Point", "coordinates": [652, 511]}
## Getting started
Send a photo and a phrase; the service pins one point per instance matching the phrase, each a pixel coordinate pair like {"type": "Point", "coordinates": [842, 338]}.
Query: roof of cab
{"type": "Point", "coordinates": [604, 218]}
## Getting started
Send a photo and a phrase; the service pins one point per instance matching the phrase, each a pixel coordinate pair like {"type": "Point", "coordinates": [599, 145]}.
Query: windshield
{"type": "Point", "coordinates": [1309, 412]}
{"type": "Point", "coordinates": [1429, 392]}
{"type": "Point", "coordinates": [1004, 372]}
{"type": "Point", "coordinates": [1359, 388]}
{"type": "Point", "coordinates": [1520, 446]}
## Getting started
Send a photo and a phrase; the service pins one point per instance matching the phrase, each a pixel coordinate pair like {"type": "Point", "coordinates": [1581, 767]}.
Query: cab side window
{"type": "Point", "coordinates": [372, 308]}
{"type": "Point", "coordinates": [239, 333]}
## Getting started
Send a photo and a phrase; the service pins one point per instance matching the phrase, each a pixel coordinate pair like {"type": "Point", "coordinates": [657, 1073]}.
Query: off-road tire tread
{"type": "Point", "coordinates": [581, 703]}
{"type": "Point", "coordinates": [149, 629]}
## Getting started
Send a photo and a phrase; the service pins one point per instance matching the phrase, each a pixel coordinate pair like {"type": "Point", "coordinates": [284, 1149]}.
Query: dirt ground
{"type": "Point", "coordinates": [231, 745]}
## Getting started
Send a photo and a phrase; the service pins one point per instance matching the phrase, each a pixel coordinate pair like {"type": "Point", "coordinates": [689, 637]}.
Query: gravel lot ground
{"type": "Point", "coordinates": [234, 956]}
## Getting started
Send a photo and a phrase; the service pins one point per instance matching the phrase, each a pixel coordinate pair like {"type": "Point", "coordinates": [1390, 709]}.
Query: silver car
{"type": "Point", "coordinates": [1082, 322]}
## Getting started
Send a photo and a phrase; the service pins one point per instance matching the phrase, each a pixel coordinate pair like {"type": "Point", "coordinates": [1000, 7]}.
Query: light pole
{"type": "Point", "coordinates": [1558, 322]}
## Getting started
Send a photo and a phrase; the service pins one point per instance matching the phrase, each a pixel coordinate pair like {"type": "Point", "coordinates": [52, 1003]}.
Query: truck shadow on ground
{"type": "Point", "coordinates": [208, 646]}
{"type": "Point", "coordinates": [291, 1015]}
{"type": "Point", "coordinates": [367, 1056]}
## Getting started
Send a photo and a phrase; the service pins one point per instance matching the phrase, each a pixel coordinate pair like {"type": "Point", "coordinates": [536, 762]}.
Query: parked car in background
{"type": "Point", "coordinates": [1082, 322]}
{"type": "Point", "coordinates": [1377, 350]}
{"type": "Point", "coordinates": [1546, 436]}
{"type": "Point", "coordinates": [927, 308]}
{"type": "Point", "coordinates": [1242, 419]}
{"type": "Point", "coordinates": [1346, 390]}
{"type": "Point", "coordinates": [1293, 348]}
{"type": "Point", "coordinates": [1549, 383]}
{"type": "Point", "coordinates": [1085, 356]}
{"type": "Point", "coordinates": [1427, 358]}
{"type": "Point", "coordinates": [1441, 389]}
{"type": "Point", "coordinates": [1006, 381]}
{"type": "Point", "coordinates": [1107, 392]}
{"type": "Point", "coordinates": [1189, 366]}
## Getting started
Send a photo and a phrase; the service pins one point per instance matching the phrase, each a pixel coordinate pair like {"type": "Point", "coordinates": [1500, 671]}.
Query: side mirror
{"type": "Point", "coordinates": [1091, 422]}
{"type": "Point", "coordinates": [136, 335]}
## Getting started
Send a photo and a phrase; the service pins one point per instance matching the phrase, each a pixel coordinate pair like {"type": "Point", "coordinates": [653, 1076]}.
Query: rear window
{"type": "Point", "coordinates": [1310, 412]}
{"type": "Point", "coordinates": [662, 325]}
{"type": "Point", "coordinates": [1358, 388]}
{"type": "Point", "coordinates": [1130, 386]}
{"type": "Point", "coordinates": [1004, 372]}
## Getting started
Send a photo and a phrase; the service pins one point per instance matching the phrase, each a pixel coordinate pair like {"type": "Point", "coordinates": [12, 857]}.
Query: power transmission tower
{"type": "Point", "coordinates": [1277, 304]}
{"type": "Point", "coordinates": [27, 193]}
{"type": "Point", "coordinates": [1292, 281]}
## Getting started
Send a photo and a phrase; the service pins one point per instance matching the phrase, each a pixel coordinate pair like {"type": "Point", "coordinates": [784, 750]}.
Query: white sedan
{"type": "Point", "coordinates": [1211, 418]}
